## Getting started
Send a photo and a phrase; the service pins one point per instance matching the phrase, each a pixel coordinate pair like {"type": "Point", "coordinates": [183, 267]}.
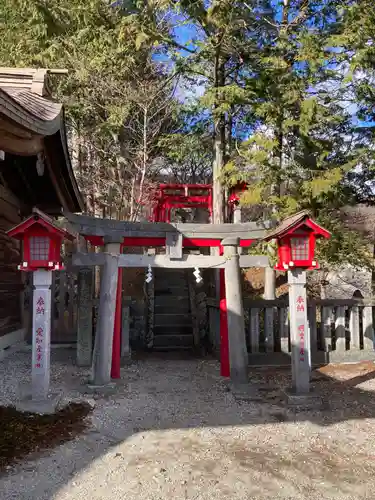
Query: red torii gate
{"type": "Point", "coordinates": [170, 196]}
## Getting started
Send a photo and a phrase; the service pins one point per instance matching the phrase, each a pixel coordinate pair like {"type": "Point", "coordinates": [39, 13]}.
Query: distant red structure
{"type": "Point", "coordinates": [172, 196]}
{"type": "Point", "coordinates": [235, 192]}
{"type": "Point", "coordinates": [234, 197]}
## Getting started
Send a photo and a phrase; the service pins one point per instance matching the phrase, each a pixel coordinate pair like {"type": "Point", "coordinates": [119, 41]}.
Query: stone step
{"type": "Point", "coordinates": [172, 318]}
{"type": "Point", "coordinates": [166, 270]}
{"type": "Point", "coordinates": [170, 282]}
{"type": "Point", "coordinates": [176, 290]}
{"type": "Point", "coordinates": [173, 341]}
{"type": "Point", "coordinates": [172, 307]}
{"type": "Point", "coordinates": [171, 329]}
{"type": "Point", "coordinates": [162, 300]}
{"type": "Point", "coordinates": [172, 348]}
{"type": "Point", "coordinates": [171, 278]}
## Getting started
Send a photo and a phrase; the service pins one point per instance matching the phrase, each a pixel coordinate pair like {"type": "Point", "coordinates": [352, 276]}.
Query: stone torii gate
{"type": "Point", "coordinates": [174, 237]}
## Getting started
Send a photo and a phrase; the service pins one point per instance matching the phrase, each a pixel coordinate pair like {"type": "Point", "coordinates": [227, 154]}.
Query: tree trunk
{"type": "Point", "coordinates": [219, 144]}
{"type": "Point", "coordinates": [144, 156]}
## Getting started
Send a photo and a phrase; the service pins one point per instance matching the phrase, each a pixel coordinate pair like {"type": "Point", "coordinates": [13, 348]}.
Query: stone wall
{"type": "Point", "coordinates": [340, 283]}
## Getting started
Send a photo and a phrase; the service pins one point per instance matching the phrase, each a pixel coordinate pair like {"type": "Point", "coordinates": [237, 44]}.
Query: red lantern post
{"type": "Point", "coordinates": [234, 201]}
{"type": "Point", "coordinates": [296, 237]}
{"type": "Point", "coordinates": [41, 254]}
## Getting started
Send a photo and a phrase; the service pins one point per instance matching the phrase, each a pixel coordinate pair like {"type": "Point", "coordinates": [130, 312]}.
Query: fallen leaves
{"type": "Point", "coordinates": [26, 433]}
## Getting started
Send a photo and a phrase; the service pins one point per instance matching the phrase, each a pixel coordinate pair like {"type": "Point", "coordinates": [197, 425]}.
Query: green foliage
{"type": "Point", "coordinates": [304, 151]}
{"type": "Point", "coordinates": [344, 246]}
{"type": "Point", "coordinates": [118, 100]}
{"type": "Point", "coordinates": [187, 151]}
{"type": "Point", "coordinates": [279, 82]}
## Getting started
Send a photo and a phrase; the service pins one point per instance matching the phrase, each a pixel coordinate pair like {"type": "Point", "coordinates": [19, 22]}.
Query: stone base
{"type": "Point", "coordinates": [105, 389]}
{"type": "Point", "coordinates": [126, 359]}
{"type": "Point", "coordinates": [41, 406]}
{"type": "Point", "coordinates": [308, 400]}
{"type": "Point", "coordinates": [250, 392]}
{"type": "Point", "coordinates": [83, 364]}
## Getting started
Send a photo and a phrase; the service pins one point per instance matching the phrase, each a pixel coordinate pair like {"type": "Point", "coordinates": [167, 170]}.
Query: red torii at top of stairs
{"type": "Point", "coordinates": [171, 196]}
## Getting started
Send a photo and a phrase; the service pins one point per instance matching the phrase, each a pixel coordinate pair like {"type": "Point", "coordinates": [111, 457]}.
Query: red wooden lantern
{"type": "Point", "coordinates": [41, 242]}
{"type": "Point", "coordinates": [296, 237]}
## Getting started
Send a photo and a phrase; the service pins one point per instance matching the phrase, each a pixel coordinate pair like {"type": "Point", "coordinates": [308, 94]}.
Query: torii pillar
{"type": "Point", "coordinates": [102, 359]}
{"type": "Point", "coordinates": [238, 356]}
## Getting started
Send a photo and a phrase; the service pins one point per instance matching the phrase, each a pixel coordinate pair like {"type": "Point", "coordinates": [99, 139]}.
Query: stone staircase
{"type": "Point", "coordinates": [173, 328]}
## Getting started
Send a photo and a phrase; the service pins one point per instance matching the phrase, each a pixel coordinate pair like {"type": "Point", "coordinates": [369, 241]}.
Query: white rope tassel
{"type": "Point", "coordinates": [149, 274]}
{"type": "Point", "coordinates": [197, 274]}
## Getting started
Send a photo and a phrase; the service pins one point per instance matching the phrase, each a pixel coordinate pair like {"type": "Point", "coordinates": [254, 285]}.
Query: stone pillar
{"type": "Point", "coordinates": [41, 335]}
{"type": "Point", "coordinates": [299, 332]}
{"type": "Point", "coordinates": [269, 283]}
{"type": "Point", "coordinates": [238, 356]}
{"type": "Point", "coordinates": [84, 320]}
{"type": "Point", "coordinates": [102, 359]}
{"type": "Point", "coordinates": [237, 214]}
{"type": "Point", "coordinates": [237, 219]}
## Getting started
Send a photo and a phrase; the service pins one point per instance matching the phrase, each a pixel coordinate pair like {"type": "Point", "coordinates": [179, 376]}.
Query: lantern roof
{"type": "Point", "coordinates": [299, 220]}
{"type": "Point", "coordinates": [40, 219]}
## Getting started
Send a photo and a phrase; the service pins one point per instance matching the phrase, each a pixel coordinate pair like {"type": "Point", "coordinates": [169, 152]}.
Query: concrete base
{"type": "Point", "coordinates": [45, 406]}
{"type": "Point", "coordinates": [106, 389]}
{"type": "Point", "coordinates": [309, 400]}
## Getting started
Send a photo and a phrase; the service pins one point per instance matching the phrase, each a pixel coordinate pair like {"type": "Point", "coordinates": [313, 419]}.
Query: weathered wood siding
{"type": "Point", "coordinates": [11, 280]}
{"type": "Point", "coordinates": [64, 312]}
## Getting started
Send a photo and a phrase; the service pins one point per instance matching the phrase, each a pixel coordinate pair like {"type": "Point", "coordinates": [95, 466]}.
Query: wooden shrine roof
{"type": "Point", "coordinates": [288, 223]}
{"type": "Point", "coordinates": [25, 99]}
{"type": "Point", "coordinates": [31, 123]}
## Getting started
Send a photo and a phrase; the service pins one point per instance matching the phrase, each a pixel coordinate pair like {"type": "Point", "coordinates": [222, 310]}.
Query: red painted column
{"type": "Point", "coordinates": [224, 339]}
{"type": "Point", "coordinates": [116, 346]}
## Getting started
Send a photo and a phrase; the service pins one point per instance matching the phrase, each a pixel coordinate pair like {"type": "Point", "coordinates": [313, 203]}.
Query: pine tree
{"type": "Point", "coordinates": [227, 34]}
{"type": "Point", "coordinates": [301, 151]}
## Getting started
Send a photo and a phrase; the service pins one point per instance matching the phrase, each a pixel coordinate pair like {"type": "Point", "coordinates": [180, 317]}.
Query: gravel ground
{"type": "Point", "coordinates": [174, 430]}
